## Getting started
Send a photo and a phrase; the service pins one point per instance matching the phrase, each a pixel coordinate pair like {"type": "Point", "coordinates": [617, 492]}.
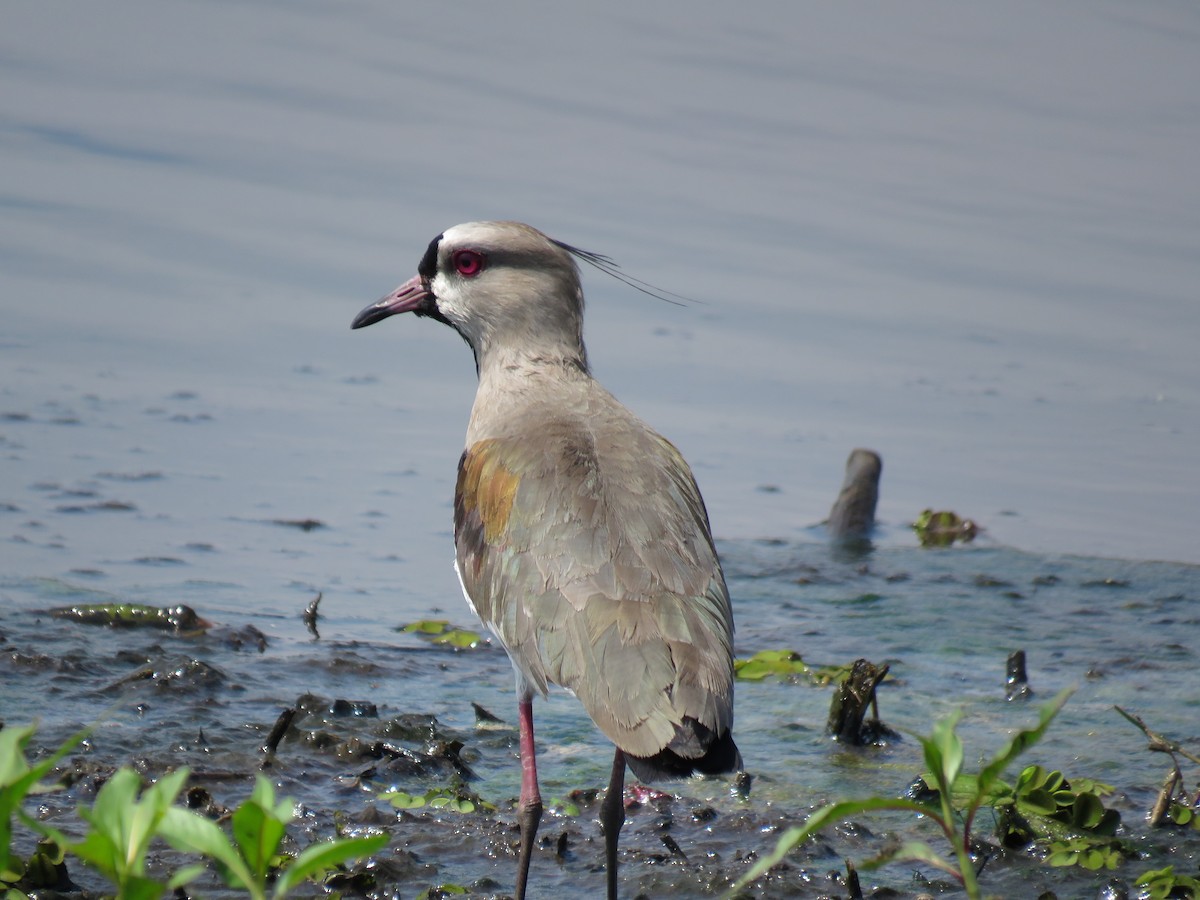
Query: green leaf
{"type": "Point", "coordinates": [460, 638]}
{"type": "Point", "coordinates": [138, 887]}
{"type": "Point", "coordinates": [427, 626]}
{"type": "Point", "coordinates": [402, 800]}
{"type": "Point", "coordinates": [186, 876]}
{"type": "Point", "coordinates": [1022, 741]}
{"type": "Point", "coordinates": [1063, 858]}
{"type": "Point", "coordinates": [1155, 875]}
{"type": "Point", "coordinates": [822, 818]}
{"type": "Point", "coordinates": [566, 807]}
{"type": "Point", "coordinates": [190, 832]}
{"type": "Point", "coordinates": [257, 837]}
{"type": "Point", "coordinates": [1087, 811]}
{"type": "Point", "coordinates": [13, 765]}
{"type": "Point", "coordinates": [1038, 801]}
{"type": "Point", "coordinates": [122, 827]}
{"type": "Point", "coordinates": [914, 851]}
{"type": "Point", "coordinates": [18, 779]}
{"type": "Point", "coordinates": [766, 663]}
{"type": "Point", "coordinates": [318, 858]}
{"type": "Point", "coordinates": [949, 750]}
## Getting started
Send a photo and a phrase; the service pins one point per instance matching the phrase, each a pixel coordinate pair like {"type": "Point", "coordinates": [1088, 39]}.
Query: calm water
{"type": "Point", "coordinates": [967, 238]}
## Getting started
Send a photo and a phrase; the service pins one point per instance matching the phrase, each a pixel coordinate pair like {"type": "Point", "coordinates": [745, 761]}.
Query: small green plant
{"type": "Point", "coordinates": [1086, 852]}
{"type": "Point", "coordinates": [1184, 816]}
{"type": "Point", "coordinates": [18, 780]}
{"type": "Point", "coordinates": [440, 631]}
{"type": "Point", "coordinates": [1160, 884]}
{"type": "Point", "coordinates": [941, 529]}
{"type": "Point", "coordinates": [124, 821]}
{"type": "Point", "coordinates": [122, 825]}
{"type": "Point", "coordinates": [453, 799]}
{"type": "Point", "coordinates": [252, 858]}
{"type": "Point", "coordinates": [564, 806]}
{"type": "Point", "coordinates": [785, 664]}
{"type": "Point", "coordinates": [943, 753]}
{"type": "Point", "coordinates": [1068, 817]}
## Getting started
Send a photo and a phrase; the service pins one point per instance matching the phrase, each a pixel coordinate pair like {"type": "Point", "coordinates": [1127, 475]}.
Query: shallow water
{"type": "Point", "coordinates": [943, 619]}
{"type": "Point", "coordinates": [1122, 632]}
{"type": "Point", "coordinates": [969, 241]}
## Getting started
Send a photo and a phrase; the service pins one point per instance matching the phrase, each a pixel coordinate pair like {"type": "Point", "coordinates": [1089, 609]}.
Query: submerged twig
{"type": "Point", "coordinates": [1161, 812]}
{"type": "Point", "coordinates": [1016, 678]}
{"type": "Point", "coordinates": [1158, 743]}
{"type": "Point", "coordinates": [310, 616]}
{"type": "Point", "coordinates": [852, 882]}
{"type": "Point", "coordinates": [277, 732]}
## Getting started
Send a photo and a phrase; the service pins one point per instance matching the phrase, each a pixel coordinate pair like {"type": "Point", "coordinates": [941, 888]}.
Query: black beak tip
{"type": "Point", "coordinates": [369, 316]}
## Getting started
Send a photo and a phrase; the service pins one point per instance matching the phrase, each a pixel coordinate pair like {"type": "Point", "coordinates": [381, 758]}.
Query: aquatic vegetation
{"type": "Point", "coordinates": [943, 753]}
{"type": "Point", "coordinates": [132, 615]}
{"type": "Point", "coordinates": [18, 780]}
{"type": "Point", "coordinates": [252, 860]}
{"type": "Point", "coordinates": [941, 529]}
{"type": "Point", "coordinates": [122, 825]}
{"type": "Point", "coordinates": [1160, 884]}
{"type": "Point", "coordinates": [786, 664]}
{"type": "Point", "coordinates": [124, 821]}
{"type": "Point", "coordinates": [440, 631]}
{"type": "Point", "coordinates": [452, 799]}
{"type": "Point", "coordinates": [1046, 806]}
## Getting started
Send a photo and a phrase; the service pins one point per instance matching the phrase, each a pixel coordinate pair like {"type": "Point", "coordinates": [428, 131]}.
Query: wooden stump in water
{"type": "Point", "coordinates": [1016, 679]}
{"type": "Point", "coordinates": [848, 712]}
{"type": "Point", "coordinates": [853, 514]}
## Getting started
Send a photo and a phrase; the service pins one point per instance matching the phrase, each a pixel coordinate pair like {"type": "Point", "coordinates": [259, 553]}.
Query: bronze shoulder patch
{"type": "Point", "coordinates": [486, 487]}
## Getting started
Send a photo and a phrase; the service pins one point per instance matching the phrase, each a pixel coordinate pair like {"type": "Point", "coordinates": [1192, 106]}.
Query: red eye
{"type": "Point", "coordinates": [468, 262]}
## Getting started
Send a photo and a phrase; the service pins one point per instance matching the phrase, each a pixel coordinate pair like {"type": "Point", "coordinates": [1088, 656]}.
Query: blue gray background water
{"type": "Point", "coordinates": [966, 237]}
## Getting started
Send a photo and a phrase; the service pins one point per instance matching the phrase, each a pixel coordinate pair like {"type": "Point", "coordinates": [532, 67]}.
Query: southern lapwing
{"type": "Point", "coordinates": [582, 540]}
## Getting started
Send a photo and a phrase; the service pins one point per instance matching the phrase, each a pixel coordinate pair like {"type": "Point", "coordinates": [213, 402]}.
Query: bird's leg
{"type": "Point", "coordinates": [531, 797]}
{"type": "Point", "coordinates": [612, 817]}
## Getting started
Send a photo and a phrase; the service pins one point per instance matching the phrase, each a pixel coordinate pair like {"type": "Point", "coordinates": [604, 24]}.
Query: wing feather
{"type": "Point", "coordinates": [594, 566]}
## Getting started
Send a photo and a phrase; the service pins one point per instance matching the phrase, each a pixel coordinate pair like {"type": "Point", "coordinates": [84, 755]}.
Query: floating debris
{"type": "Point", "coordinates": [941, 529]}
{"type": "Point", "coordinates": [101, 506]}
{"type": "Point", "coordinates": [302, 524]}
{"type": "Point", "coordinates": [440, 631]}
{"type": "Point", "coordinates": [130, 476]}
{"type": "Point", "coordinates": [486, 719]}
{"type": "Point", "coordinates": [278, 730]}
{"type": "Point", "coordinates": [1017, 680]}
{"type": "Point", "coordinates": [132, 615]}
{"type": "Point", "coordinates": [310, 616]}
{"type": "Point", "coordinates": [851, 701]}
{"type": "Point", "coordinates": [786, 665]}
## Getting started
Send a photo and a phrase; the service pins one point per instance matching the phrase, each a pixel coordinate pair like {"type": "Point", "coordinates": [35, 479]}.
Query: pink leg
{"type": "Point", "coordinates": [530, 813]}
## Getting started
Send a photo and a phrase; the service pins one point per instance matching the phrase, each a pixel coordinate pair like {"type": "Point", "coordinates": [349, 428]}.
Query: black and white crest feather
{"type": "Point", "coordinates": [610, 267]}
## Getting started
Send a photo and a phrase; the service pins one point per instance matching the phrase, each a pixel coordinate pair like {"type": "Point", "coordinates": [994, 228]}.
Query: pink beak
{"type": "Point", "coordinates": [409, 297]}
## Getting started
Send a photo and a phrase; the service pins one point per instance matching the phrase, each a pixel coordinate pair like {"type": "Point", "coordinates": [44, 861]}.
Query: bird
{"type": "Point", "coordinates": [581, 538]}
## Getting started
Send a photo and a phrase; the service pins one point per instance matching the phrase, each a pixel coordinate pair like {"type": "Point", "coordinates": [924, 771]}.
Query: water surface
{"type": "Point", "coordinates": [967, 238]}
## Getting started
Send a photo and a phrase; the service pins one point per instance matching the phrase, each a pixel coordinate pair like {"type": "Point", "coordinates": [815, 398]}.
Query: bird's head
{"type": "Point", "coordinates": [505, 287]}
